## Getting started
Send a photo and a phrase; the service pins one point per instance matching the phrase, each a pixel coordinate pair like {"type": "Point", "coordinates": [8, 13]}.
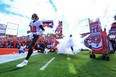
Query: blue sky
{"type": "Point", "coordinates": [69, 11]}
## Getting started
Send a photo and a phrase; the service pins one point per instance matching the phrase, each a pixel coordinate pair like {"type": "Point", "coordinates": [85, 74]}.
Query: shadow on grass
{"type": "Point", "coordinates": [9, 69]}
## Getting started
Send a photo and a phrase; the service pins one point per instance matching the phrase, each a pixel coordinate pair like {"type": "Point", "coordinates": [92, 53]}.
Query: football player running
{"type": "Point", "coordinates": [35, 29]}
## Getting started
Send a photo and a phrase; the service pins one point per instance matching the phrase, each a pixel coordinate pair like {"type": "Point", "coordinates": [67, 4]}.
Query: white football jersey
{"type": "Point", "coordinates": [34, 27]}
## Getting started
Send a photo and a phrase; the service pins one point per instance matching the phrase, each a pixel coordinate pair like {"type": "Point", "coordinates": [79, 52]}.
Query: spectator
{"type": "Point", "coordinates": [22, 48]}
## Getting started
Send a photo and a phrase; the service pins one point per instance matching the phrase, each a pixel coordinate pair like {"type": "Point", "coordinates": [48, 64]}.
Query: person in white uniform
{"type": "Point", "coordinates": [35, 29]}
{"type": "Point", "coordinates": [66, 46]}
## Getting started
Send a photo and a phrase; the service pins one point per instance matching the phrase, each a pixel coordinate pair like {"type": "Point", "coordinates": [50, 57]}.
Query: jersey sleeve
{"type": "Point", "coordinates": [30, 23]}
{"type": "Point", "coordinates": [41, 25]}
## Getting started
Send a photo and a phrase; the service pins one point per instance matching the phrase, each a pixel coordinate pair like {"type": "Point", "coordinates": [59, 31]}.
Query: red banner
{"type": "Point", "coordinates": [99, 40]}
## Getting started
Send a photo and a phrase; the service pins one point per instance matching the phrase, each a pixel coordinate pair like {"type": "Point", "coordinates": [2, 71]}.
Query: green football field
{"type": "Point", "coordinates": [79, 65]}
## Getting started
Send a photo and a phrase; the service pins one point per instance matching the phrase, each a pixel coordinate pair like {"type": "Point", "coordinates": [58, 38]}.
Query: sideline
{"type": "Point", "coordinates": [44, 67]}
{"type": "Point", "coordinates": [11, 57]}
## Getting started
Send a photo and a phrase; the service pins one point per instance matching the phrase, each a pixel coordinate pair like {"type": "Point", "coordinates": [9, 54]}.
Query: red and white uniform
{"type": "Point", "coordinates": [35, 27]}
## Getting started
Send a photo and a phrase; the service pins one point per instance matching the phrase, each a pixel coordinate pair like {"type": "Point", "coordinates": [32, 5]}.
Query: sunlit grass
{"type": "Point", "coordinates": [71, 68]}
{"type": "Point", "coordinates": [79, 65]}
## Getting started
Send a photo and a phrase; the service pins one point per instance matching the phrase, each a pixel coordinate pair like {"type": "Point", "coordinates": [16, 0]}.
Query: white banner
{"type": "Point", "coordinates": [12, 29]}
{"type": "Point", "coordinates": [83, 26]}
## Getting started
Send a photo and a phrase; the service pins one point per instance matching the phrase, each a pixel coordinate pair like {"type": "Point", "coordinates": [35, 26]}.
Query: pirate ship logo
{"type": "Point", "coordinates": [96, 39]}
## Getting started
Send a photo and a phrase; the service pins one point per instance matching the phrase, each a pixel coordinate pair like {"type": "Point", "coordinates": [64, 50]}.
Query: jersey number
{"type": "Point", "coordinates": [33, 28]}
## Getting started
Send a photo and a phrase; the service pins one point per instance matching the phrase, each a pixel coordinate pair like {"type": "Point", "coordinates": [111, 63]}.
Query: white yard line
{"type": "Point", "coordinates": [44, 67]}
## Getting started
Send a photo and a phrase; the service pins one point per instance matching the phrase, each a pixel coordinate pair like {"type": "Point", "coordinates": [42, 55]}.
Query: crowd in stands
{"type": "Point", "coordinates": [14, 42]}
